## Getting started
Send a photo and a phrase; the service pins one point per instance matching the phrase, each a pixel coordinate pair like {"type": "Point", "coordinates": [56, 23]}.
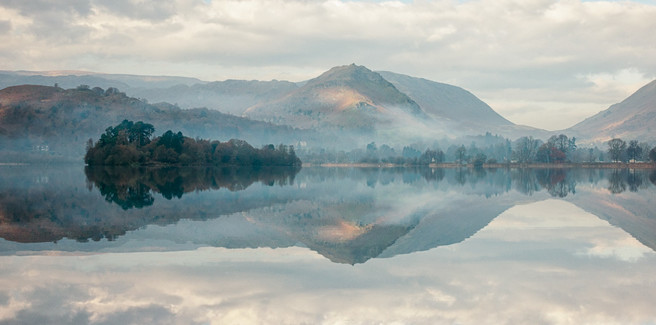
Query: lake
{"type": "Point", "coordinates": [326, 246]}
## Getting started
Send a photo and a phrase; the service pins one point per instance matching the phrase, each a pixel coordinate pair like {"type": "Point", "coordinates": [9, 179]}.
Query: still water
{"type": "Point", "coordinates": [322, 245]}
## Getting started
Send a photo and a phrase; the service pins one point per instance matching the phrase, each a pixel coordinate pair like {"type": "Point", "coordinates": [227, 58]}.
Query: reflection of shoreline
{"type": "Point", "coordinates": [33, 211]}
{"type": "Point", "coordinates": [601, 165]}
{"type": "Point", "coordinates": [348, 215]}
{"type": "Point", "coordinates": [130, 187]}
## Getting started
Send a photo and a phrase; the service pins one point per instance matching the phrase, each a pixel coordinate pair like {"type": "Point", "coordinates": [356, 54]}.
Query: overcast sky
{"type": "Point", "coordinates": [544, 63]}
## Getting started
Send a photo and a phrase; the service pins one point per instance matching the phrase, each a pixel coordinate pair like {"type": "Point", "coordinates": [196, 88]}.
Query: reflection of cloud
{"type": "Point", "coordinates": [539, 221]}
{"type": "Point", "coordinates": [517, 270]}
{"type": "Point", "coordinates": [625, 249]}
{"type": "Point", "coordinates": [546, 214]}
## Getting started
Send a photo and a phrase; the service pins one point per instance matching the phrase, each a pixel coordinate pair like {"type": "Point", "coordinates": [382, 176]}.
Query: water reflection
{"type": "Point", "coordinates": [416, 246]}
{"type": "Point", "coordinates": [348, 215]}
{"type": "Point", "coordinates": [131, 187]}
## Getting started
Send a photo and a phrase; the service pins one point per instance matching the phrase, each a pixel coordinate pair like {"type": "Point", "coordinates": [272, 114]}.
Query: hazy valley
{"type": "Point", "coordinates": [345, 108]}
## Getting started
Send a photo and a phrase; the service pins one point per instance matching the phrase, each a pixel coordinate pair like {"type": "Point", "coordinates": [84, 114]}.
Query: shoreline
{"type": "Point", "coordinates": [601, 165]}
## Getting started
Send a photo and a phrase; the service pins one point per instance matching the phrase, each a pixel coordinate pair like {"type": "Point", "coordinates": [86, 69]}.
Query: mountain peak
{"type": "Point", "coordinates": [348, 95]}
{"type": "Point", "coordinates": [350, 74]}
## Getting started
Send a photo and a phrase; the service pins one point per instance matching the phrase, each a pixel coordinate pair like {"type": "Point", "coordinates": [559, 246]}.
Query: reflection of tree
{"type": "Point", "coordinates": [635, 181]}
{"type": "Point", "coordinates": [136, 195]}
{"type": "Point", "coordinates": [652, 177]}
{"type": "Point", "coordinates": [48, 212]}
{"type": "Point", "coordinates": [525, 181]}
{"type": "Point", "coordinates": [461, 175]}
{"type": "Point", "coordinates": [131, 187]}
{"type": "Point", "coordinates": [616, 181]}
{"type": "Point", "coordinates": [432, 174]}
{"type": "Point", "coordinates": [556, 182]}
{"type": "Point", "coordinates": [409, 175]}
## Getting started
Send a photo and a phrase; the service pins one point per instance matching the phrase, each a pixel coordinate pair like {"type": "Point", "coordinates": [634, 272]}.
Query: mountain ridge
{"type": "Point", "coordinates": [632, 118]}
{"type": "Point", "coordinates": [351, 97]}
{"type": "Point", "coordinates": [64, 119]}
{"type": "Point", "coordinates": [344, 96]}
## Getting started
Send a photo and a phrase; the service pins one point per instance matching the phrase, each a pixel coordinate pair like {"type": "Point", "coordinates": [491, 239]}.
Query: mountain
{"type": "Point", "coordinates": [442, 101]}
{"type": "Point", "coordinates": [59, 121]}
{"type": "Point", "coordinates": [633, 118]}
{"type": "Point", "coordinates": [72, 79]}
{"type": "Point", "coordinates": [349, 101]}
{"type": "Point", "coordinates": [457, 108]}
{"type": "Point", "coordinates": [343, 97]}
{"type": "Point", "coordinates": [230, 96]}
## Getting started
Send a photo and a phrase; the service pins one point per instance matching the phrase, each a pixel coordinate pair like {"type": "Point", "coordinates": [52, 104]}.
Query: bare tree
{"type": "Point", "coordinates": [634, 151]}
{"type": "Point", "coordinates": [616, 149]}
{"type": "Point", "coordinates": [526, 149]}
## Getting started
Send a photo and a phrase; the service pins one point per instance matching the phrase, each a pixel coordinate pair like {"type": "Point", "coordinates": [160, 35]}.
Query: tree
{"type": "Point", "coordinates": [129, 144]}
{"type": "Point", "coordinates": [634, 151]}
{"type": "Point", "coordinates": [410, 152]}
{"type": "Point", "coordinates": [591, 156]}
{"type": "Point", "coordinates": [544, 153]}
{"type": "Point", "coordinates": [652, 154]}
{"type": "Point", "coordinates": [461, 154]}
{"type": "Point", "coordinates": [431, 156]}
{"type": "Point", "coordinates": [140, 132]}
{"type": "Point", "coordinates": [526, 148]}
{"type": "Point", "coordinates": [479, 160]}
{"type": "Point", "coordinates": [560, 142]}
{"type": "Point", "coordinates": [559, 147]}
{"type": "Point", "coordinates": [616, 149]}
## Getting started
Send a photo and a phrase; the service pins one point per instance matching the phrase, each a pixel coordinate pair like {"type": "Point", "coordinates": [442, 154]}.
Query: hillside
{"type": "Point", "coordinates": [633, 118]}
{"type": "Point", "coordinates": [59, 121]}
{"type": "Point", "coordinates": [72, 79]}
{"type": "Point", "coordinates": [452, 105]}
{"type": "Point", "coordinates": [445, 101]}
{"type": "Point", "coordinates": [343, 97]}
{"type": "Point", "coordinates": [230, 96]}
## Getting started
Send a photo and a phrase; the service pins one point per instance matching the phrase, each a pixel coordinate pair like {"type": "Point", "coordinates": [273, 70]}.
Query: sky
{"type": "Point", "coordinates": [543, 63]}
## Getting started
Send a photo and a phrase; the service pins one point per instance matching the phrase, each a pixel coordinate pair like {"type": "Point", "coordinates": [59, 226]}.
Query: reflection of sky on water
{"type": "Point", "coordinates": [539, 263]}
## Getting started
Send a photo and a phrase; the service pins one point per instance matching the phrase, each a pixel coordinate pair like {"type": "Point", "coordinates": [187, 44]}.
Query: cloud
{"type": "Point", "coordinates": [540, 46]}
{"type": "Point", "coordinates": [5, 26]}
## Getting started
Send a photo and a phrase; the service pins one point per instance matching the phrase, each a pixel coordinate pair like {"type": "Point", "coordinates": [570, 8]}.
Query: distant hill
{"type": "Point", "coordinates": [60, 121]}
{"type": "Point", "coordinates": [457, 108]}
{"type": "Point", "coordinates": [71, 79]}
{"type": "Point", "coordinates": [633, 118]}
{"type": "Point", "coordinates": [230, 96]}
{"type": "Point", "coordinates": [351, 101]}
{"type": "Point", "coordinates": [347, 96]}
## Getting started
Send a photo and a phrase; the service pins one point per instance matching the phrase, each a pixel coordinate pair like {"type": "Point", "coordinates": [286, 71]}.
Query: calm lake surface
{"type": "Point", "coordinates": [326, 245]}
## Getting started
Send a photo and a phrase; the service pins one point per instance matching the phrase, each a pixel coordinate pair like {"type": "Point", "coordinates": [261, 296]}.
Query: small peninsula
{"type": "Point", "coordinates": [131, 144]}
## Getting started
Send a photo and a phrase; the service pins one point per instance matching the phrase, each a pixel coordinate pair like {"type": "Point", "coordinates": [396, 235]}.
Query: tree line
{"type": "Point", "coordinates": [490, 149]}
{"type": "Point", "coordinates": [130, 143]}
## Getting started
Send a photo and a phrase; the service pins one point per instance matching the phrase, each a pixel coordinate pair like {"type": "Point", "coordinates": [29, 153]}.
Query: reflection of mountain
{"type": "Point", "coordinates": [57, 208]}
{"type": "Point", "coordinates": [634, 212]}
{"type": "Point", "coordinates": [347, 215]}
{"type": "Point", "coordinates": [451, 225]}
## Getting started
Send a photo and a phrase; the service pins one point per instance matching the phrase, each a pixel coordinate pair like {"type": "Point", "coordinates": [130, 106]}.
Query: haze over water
{"type": "Point", "coordinates": [322, 245]}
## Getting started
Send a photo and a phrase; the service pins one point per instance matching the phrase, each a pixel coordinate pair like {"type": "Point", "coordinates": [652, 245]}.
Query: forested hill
{"type": "Point", "coordinates": [56, 122]}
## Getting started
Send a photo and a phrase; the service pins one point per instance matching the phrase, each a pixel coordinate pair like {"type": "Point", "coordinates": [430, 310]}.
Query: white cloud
{"type": "Point", "coordinates": [543, 47]}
